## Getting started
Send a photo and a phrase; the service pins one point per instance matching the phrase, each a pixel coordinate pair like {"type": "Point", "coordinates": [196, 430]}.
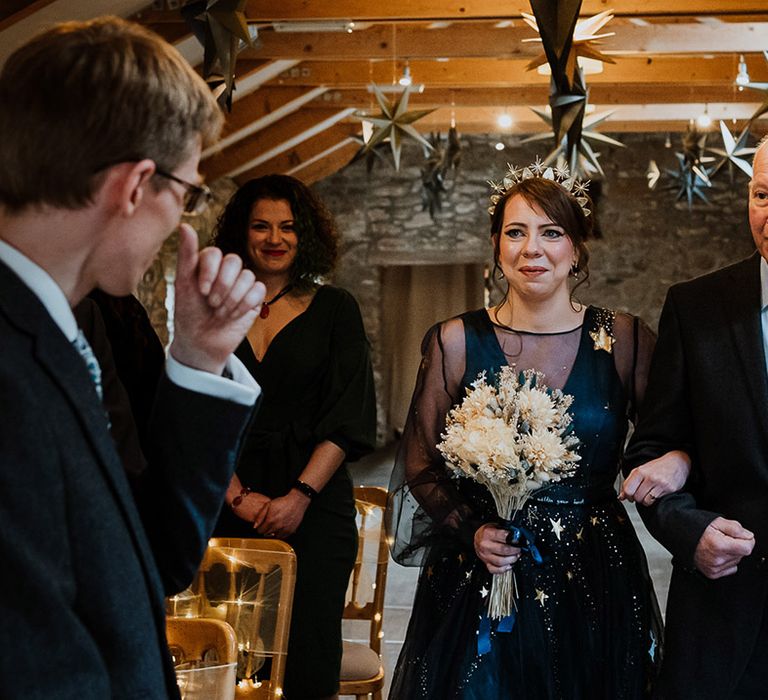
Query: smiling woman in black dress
{"type": "Point", "coordinates": [310, 354]}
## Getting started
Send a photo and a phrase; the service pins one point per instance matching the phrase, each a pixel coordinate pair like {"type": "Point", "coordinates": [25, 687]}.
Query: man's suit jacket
{"type": "Point", "coordinates": [708, 394]}
{"type": "Point", "coordinates": [85, 564]}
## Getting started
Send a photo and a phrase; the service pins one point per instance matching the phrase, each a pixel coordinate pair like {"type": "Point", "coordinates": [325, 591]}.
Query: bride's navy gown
{"type": "Point", "coordinates": [587, 625]}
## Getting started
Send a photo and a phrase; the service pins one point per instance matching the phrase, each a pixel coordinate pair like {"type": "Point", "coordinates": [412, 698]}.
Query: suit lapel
{"type": "Point", "coordinates": [62, 363]}
{"type": "Point", "coordinates": [741, 306]}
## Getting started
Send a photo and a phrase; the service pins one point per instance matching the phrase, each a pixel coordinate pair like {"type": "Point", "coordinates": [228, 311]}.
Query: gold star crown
{"type": "Point", "coordinates": [559, 174]}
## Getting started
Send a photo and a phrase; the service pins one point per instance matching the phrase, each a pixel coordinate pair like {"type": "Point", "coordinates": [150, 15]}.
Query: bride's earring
{"type": "Point", "coordinates": [575, 269]}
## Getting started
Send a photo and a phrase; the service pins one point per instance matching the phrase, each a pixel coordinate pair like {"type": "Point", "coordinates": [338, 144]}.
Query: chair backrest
{"type": "Point", "coordinates": [196, 639]}
{"type": "Point", "coordinates": [249, 584]}
{"type": "Point", "coordinates": [367, 585]}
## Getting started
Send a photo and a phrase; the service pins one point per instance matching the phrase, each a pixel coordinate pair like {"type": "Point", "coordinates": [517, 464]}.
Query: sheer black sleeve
{"type": "Point", "coordinates": [424, 500]}
{"type": "Point", "coordinates": [633, 350]}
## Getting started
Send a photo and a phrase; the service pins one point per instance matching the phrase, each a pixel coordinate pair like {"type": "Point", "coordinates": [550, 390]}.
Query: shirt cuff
{"type": "Point", "coordinates": [242, 388]}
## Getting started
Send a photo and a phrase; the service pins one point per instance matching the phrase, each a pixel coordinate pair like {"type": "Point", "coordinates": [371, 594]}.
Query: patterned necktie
{"type": "Point", "coordinates": [86, 352]}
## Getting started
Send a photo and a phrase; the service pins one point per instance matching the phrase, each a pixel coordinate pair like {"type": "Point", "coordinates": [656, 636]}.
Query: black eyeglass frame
{"type": "Point", "coordinates": [196, 197]}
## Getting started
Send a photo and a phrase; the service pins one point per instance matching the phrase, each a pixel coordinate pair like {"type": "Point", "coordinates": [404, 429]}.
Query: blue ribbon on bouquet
{"type": "Point", "coordinates": [525, 540]}
{"type": "Point", "coordinates": [522, 538]}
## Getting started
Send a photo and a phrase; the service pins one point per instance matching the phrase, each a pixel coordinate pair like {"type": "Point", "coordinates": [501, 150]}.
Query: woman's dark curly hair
{"type": "Point", "coordinates": [560, 206]}
{"type": "Point", "coordinates": [318, 246]}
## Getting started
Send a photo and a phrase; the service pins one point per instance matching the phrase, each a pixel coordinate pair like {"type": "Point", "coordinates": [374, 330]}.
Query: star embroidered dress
{"type": "Point", "coordinates": [587, 625]}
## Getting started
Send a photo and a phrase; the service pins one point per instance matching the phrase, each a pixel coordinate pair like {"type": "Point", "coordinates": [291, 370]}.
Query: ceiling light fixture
{"type": "Point", "coordinates": [504, 121]}
{"type": "Point", "coordinates": [704, 121]}
{"type": "Point", "coordinates": [405, 79]}
{"type": "Point", "coordinates": [742, 77]}
{"type": "Point", "coordinates": [499, 146]}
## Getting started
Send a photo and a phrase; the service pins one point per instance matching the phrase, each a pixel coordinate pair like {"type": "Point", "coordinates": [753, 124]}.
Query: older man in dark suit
{"type": "Point", "coordinates": [102, 126]}
{"type": "Point", "coordinates": [708, 395]}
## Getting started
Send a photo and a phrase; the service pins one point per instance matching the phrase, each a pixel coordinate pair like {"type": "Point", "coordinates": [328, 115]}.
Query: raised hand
{"type": "Point", "coordinates": [217, 301]}
{"type": "Point", "coordinates": [722, 546]}
{"type": "Point", "coordinates": [492, 549]}
{"type": "Point", "coordinates": [652, 480]}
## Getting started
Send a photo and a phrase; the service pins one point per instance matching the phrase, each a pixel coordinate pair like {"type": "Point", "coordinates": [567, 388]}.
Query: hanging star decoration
{"type": "Point", "coordinates": [652, 174]}
{"type": "Point", "coordinates": [564, 39]}
{"type": "Point", "coordinates": [582, 159]}
{"type": "Point", "coordinates": [394, 123]}
{"type": "Point", "coordinates": [439, 163]}
{"type": "Point", "coordinates": [221, 27]}
{"type": "Point", "coordinates": [541, 597]}
{"type": "Point", "coordinates": [760, 87]}
{"type": "Point", "coordinates": [584, 43]}
{"type": "Point", "coordinates": [692, 175]}
{"type": "Point", "coordinates": [733, 152]}
{"type": "Point", "coordinates": [484, 592]}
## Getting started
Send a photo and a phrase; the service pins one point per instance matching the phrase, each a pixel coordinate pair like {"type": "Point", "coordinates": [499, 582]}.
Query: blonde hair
{"type": "Point", "coordinates": [82, 96]}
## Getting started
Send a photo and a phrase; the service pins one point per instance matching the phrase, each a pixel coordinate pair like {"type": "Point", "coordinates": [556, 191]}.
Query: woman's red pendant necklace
{"type": "Point", "coordinates": [264, 313]}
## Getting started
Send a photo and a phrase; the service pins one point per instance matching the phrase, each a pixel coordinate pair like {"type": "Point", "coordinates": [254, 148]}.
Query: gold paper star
{"type": "Point", "coordinates": [484, 592]}
{"type": "Point", "coordinates": [569, 574]}
{"type": "Point", "coordinates": [557, 527]}
{"type": "Point", "coordinates": [580, 535]}
{"type": "Point", "coordinates": [468, 574]}
{"type": "Point", "coordinates": [594, 520]}
{"type": "Point", "coordinates": [603, 341]}
{"type": "Point", "coordinates": [430, 571]}
{"type": "Point", "coordinates": [394, 122]}
{"type": "Point", "coordinates": [541, 597]}
{"type": "Point", "coordinates": [461, 557]}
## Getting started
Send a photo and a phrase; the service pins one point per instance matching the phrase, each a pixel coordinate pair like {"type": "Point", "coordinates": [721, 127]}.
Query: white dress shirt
{"type": "Point", "coordinates": [242, 388]}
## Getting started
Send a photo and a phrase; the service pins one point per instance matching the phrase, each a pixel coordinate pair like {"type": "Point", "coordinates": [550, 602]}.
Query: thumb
{"type": "Point", "coordinates": [732, 528]}
{"type": "Point", "coordinates": [186, 260]}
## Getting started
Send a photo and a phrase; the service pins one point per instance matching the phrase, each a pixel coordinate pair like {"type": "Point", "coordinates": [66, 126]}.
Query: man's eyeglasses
{"type": "Point", "coordinates": [196, 197]}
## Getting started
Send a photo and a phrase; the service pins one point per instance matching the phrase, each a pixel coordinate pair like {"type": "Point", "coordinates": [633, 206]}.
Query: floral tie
{"type": "Point", "coordinates": [86, 352]}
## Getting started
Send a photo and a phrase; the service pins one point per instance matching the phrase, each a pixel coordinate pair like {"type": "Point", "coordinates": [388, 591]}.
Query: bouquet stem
{"type": "Point", "coordinates": [503, 586]}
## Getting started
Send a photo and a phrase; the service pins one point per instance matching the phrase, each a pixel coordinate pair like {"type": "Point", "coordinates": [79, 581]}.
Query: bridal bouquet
{"type": "Point", "coordinates": [513, 435]}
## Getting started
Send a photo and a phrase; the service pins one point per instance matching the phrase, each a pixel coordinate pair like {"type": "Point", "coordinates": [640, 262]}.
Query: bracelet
{"type": "Point", "coordinates": [305, 488]}
{"type": "Point", "coordinates": [237, 500]}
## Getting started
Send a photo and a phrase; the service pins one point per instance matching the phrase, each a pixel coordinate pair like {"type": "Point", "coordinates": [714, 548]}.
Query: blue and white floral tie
{"type": "Point", "coordinates": [86, 352]}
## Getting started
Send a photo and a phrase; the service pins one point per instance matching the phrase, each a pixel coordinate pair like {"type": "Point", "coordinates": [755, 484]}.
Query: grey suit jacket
{"type": "Point", "coordinates": [85, 563]}
{"type": "Point", "coordinates": [708, 394]}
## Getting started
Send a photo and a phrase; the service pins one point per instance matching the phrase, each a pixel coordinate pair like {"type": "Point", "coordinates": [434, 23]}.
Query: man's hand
{"type": "Point", "coordinates": [657, 478]}
{"type": "Point", "coordinates": [722, 546]}
{"type": "Point", "coordinates": [217, 302]}
{"type": "Point", "coordinates": [492, 549]}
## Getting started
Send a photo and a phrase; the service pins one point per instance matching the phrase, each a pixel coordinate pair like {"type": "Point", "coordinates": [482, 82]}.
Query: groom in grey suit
{"type": "Point", "coordinates": [708, 395]}
{"type": "Point", "coordinates": [102, 126]}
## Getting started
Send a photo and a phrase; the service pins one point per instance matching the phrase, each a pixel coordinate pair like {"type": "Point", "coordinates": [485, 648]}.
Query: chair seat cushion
{"type": "Point", "coordinates": [358, 662]}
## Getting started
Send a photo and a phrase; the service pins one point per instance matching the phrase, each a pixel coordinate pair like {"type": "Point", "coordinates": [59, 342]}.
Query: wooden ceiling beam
{"type": "Point", "coordinates": [267, 143]}
{"type": "Point", "coordinates": [685, 71]}
{"type": "Point", "coordinates": [14, 11]}
{"type": "Point", "coordinates": [483, 40]}
{"type": "Point", "coordinates": [625, 118]}
{"type": "Point", "coordinates": [324, 167]}
{"type": "Point", "coordinates": [362, 99]}
{"type": "Point", "coordinates": [269, 10]}
{"type": "Point", "coordinates": [309, 151]}
{"type": "Point", "coordinates": [260, 109]}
